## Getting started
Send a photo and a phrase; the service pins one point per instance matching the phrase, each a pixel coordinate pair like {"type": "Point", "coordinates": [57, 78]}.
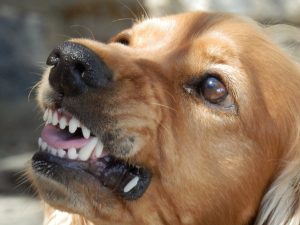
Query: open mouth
{"type": "Point", "coordinates": [66, 143]}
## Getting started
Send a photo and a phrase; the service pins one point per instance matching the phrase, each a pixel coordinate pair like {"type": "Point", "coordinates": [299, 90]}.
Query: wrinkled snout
{"type": "Point", "coordinates": [76, 69]}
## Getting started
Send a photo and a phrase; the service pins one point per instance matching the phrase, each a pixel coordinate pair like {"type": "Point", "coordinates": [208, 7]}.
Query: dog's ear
{"type": "Point", "coordinates": [281, 203]}
{"type": "Point", "coordinates": [287, 37]}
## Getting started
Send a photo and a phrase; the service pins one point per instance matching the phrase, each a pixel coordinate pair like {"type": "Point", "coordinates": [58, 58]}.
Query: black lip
{"type": "Point", "coordinates": [110, 172]}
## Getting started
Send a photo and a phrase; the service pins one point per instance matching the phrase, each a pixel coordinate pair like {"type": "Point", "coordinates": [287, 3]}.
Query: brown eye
{"type": "Point", "coordinates": [213, 90]}
{"type": "Point", "coordinates": [123, 38]}
{"type": "Point", "coordinates": [123, 41]}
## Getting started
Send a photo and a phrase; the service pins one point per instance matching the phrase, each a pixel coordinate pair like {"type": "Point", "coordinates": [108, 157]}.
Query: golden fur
{"type": "Point", "coordinates": [210, 166]}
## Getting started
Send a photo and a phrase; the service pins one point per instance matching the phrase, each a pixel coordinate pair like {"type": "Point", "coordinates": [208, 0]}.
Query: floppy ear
{"type": "Point", "coordinates": [287, 37]}
{"type": "Point", "coordinates": [281, 203]}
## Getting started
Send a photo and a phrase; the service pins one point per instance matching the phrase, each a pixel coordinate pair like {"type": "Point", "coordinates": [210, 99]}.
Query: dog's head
{"type": "Point", "coordinates": [179, 120]}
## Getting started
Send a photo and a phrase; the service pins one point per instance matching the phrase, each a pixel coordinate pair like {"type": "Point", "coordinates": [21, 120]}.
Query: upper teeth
{"type": "Point", "coordinates": [86, 132]}
{"type": "Point", "coordinates": [57, 118]}
{"type": "Point", "coordinates": [73, 124]}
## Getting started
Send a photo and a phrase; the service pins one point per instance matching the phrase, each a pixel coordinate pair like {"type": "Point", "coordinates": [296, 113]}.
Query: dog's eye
{"type": "Point", "coordinates": [123, 38]}
{"type": "Point", "coordinates": [213, 90]}
{"type": "Point", "coordinates": [123, 41]}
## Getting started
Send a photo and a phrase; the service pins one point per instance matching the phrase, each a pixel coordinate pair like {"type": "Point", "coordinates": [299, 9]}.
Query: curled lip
{"type": "Point", "coordinates": [64, 149]}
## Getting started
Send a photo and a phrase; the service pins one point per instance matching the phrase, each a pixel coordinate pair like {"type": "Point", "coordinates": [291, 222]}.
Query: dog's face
{"type": "Point", "coordinates": [180, 121]}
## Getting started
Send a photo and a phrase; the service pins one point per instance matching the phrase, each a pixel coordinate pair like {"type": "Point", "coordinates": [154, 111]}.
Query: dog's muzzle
{"type": "Point", "coordinates": [68, 144]}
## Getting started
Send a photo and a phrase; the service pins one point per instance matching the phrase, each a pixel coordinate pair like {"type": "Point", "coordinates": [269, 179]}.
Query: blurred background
{"type": "Point", "coordinates": [30, 29]}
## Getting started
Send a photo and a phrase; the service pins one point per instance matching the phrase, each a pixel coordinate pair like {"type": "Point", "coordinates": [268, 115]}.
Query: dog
{"type": "Point", "coordinates": [185, 119]}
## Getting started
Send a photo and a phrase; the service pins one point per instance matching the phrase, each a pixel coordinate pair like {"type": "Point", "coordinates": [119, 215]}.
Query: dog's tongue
{"type": "Point", "coordinates": [58, 138]}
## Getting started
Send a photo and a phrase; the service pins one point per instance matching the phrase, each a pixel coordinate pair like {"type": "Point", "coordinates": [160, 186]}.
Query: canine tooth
{"type": "Point", "coordinates": [45, 117]}
{"type": "Point", "coordinates": [55, 118]}
{"type": "Point", "coordinates": [63, 123]}
{"type": "Point", "coordinates": [44, 146]}
{"type": "Point", "coordinates": [49, 120]}
{"type": "Point", "coordinates": [40, 141]}
{"type": "Point", "coordinates": [61, 153]}
{"type": "Point", "coordinates": [99, 149]}
{"type": "Point", "coordinates": [72, 154]}
{"type": "Point", "coordinates": [73, 124]}
{"type": "Point", "coordinates": [85, 132]}
{"type": "Point", "coordinates": [86, 151]}
{"type": "Point", "coordinates": [53, 151]}
{"type": "Point", "coordinates": [131, 184]}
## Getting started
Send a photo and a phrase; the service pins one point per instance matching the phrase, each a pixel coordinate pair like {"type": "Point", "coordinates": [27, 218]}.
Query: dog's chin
{"type": "Point", "coordinates": [86, 179]}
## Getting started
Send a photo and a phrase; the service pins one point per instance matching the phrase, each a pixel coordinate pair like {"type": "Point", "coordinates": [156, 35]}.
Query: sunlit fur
{"type": "Point", "coordinates": [211, 166]}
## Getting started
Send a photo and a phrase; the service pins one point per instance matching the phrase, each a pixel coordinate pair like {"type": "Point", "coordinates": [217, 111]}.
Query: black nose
{"type": "Point", "coordinates": [76, 69]}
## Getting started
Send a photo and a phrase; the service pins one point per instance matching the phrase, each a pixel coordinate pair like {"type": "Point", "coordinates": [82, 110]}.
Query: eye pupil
{"type": "Point", "coordinates": [123, 41]}
{"type": "Point", "coordinates": [213, 90]}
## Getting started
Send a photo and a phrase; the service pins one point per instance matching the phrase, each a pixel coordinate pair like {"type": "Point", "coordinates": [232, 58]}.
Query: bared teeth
{"type": "Point", "coordinates": [72, 153]}
{"type": "Point", "coordinates": [85, 132]}
{"type": "Point", "coordinates": [86, 151]}
{"type": "Point", "coordinates": [73, 125]}
{"type": "Point", "coordinates": [131, 184]}
{"type": "Point", "coordinates": [59, 119]}
{"type": "Point", "coordinates": [93, 147]}
{"type": "Point", "coordinates": [98, 149]}
{"type": "Point", "coordinates": [44, 146]}
{"type": "Point", "coordinates": [53, 151]}
{"type": "Point", "coordinates": [45, 117]}
{"type": "Point", "coordinates": [63, 122]}
{"type": "Point", "coordinates": [54, 118]}
{"type": "Point", "coordinates": [61, 153]}
{"type": "Point", "coordinates": [40, 141]}
{"type": "Point", "coordinates": [49, 119]}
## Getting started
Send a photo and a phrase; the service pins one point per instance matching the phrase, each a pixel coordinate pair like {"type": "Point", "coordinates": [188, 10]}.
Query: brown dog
{"type": "Point", "coordinates": [186, 119]}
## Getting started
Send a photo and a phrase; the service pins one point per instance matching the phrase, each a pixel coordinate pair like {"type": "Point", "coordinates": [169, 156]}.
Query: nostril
{"type": "Point", "coordinates": [80, 69]}
{"type": "Point", "coordinates": [53, 59]}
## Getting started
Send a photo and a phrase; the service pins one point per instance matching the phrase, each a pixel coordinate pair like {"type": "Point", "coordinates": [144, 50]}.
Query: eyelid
{"type": "Point", "coordinates": [124, 35]}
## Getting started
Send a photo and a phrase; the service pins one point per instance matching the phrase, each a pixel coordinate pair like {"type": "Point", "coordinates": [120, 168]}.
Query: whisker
{"type": "Point", "coordinates": [144, 10]}
{"type": "Point", "coordinates": [86, 28]}
{"type": "Point", "coordinates": [136, 18]}
{"type": "Point", "coordinates": [32, 89]}
{"type": "Point", "coordinates": [64, 36]}
{"type": "Point", "coordinates": [122, 19]}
